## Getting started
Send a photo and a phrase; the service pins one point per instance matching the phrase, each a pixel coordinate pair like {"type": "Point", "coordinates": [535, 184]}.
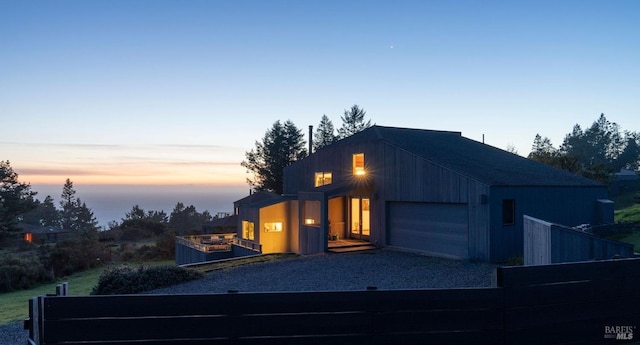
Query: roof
{"type": "Point", "coordinates": [476, 160]}
{"type": "Point", "coordinates": [255, 197]}
{"type": "Point", "coordinates": [37, 229]}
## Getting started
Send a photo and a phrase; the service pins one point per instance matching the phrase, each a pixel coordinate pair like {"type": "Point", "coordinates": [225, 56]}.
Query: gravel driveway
{"type": "Point", "coordinates": [382, 268]}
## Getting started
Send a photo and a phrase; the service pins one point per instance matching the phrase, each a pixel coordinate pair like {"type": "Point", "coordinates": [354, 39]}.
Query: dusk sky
{"type": "Point", "coordinates": [175, 92]}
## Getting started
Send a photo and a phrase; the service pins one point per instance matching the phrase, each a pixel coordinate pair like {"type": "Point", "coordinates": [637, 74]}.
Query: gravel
{"type": "Point", "coordinates": [382, 268]}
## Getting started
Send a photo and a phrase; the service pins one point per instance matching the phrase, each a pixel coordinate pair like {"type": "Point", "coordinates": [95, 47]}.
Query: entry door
{"type": "Point", "coordinates": [360, 218]}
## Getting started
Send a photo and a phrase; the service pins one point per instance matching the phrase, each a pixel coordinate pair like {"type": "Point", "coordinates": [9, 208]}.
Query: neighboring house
{"type": "Point", "coordinates": [435, 192]}
{"type": "Point", "coordinates": [41, 235]}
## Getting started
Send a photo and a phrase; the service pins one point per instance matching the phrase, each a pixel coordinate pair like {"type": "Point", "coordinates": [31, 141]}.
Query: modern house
{"type": "Point", "coordinates": [435, 192]}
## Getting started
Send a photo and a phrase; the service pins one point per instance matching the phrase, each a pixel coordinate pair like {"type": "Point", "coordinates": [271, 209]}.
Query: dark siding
{"type": "Point", "coordinates": [569, 206]}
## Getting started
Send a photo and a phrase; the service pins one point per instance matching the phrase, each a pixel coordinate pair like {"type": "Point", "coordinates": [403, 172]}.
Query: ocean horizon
{"type": "Point", "coordinates": [111, 202]}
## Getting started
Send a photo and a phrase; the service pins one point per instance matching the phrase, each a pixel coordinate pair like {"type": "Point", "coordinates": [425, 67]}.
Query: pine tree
{"type": "Point", "coordinates": [16, 198]}
{"type": "Point", "coordinates": [353, 122]}
{"type": "Point", "coordinates": [281, 146]}
{"type": "Point", "coordinates": [68, 214]}
{"type": "Point", "coordinates": [325, 134]}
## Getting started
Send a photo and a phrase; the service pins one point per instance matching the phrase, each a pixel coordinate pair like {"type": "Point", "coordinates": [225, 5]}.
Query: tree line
{"type": "Point", "coordinates": [595, 152]}
{"type": "Point", "coordinates": [284, 143]}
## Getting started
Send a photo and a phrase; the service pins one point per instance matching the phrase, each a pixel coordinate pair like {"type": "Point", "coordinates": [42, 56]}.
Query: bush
{"type": "Point", "coordinates": [21, 272]}
{"type": "Point", "coordinates": [127, 280]}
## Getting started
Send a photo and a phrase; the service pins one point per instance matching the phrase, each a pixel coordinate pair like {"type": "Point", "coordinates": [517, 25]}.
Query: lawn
{"type": "Point", "coordinates": [15, 304]}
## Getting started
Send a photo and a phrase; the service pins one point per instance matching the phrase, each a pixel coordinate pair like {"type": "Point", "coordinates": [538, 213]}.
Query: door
{"type": "Point", "coordinates": [360, 218]}
{"type": "Point", "coordinates": [435, 228]}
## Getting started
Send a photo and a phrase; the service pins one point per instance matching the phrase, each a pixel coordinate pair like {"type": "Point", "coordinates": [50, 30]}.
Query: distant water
{"type": "Point", "coordinates": [112, 202]}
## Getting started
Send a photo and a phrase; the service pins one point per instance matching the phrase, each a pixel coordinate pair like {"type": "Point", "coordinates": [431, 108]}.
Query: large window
{"type": "Point", "coordinates": [358, 164]}
{"type": "Point", "coordinates": [508, 212]}
{"type": "Point", "coordinates": [322, 178]}
{"type": "Point", "coordinates": [248, 230]}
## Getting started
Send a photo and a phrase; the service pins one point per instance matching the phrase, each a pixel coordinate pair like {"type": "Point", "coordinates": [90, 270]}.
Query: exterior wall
{"type": "Point", "coordinates": [274, 242]}
{"type": "Point", "coordinates": [569, 206]}
{"type": "Point", "coordinates": [337, 219]}
{"type": "Point", "coordinates": [294, 227]}
{"type": "Point", "coordinates": [395, 175]}
{"type": "Point", "coordinates": [188, 255]}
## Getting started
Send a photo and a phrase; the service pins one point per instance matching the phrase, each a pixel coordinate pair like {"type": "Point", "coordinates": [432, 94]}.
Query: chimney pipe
{"type": "Point", "coordinates": [310, 139]}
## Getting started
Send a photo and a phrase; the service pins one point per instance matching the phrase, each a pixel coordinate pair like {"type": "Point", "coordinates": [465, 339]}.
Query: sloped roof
{"type": "Point", "coordinates": [476, 160]}
{"type": "Point", "coordinates": [256, 196]}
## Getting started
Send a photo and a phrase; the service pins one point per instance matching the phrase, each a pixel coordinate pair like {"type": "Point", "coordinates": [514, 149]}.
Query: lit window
{"type": "Point", "coordinates": [322, 178]}
{"type": "Point", "coordinates": [273, 227]}
{"type": "Point", "coordinates": [247, 230]}
{"type": "Point", "coordinates": [508, 212]}
{"type": "Point", "coordinates": [358, 164]}
{"type": "Point", "coordinates": [311, 212]}
{"type": "Point", "coordinates": [28, 237]}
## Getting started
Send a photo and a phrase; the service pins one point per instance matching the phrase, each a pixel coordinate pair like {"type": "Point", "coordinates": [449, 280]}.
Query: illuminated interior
{"type": "Point", "coordinates": [311, 212]}
{"type": "Point", "coordinates": [248, 230]}
{"type": "Point", "coordinates": [273, 227]}
{"type": "Point", "coordinates": [358, 164]}
{"type": "Point", "coordinates": [322, 178]}
{"type": "Point", "coordinates": [28, 237]}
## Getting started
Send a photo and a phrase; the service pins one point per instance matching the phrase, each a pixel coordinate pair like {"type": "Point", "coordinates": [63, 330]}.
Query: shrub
{"type": "Point", "coordinates": [127, 280]}
{"type": "Point", "coordinates": [21, 272]}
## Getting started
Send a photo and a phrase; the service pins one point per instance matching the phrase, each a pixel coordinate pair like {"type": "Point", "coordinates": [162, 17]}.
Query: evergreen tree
{"type": "Point", "coordinates": [16, 198]}
{"type": "Point", "coordinates": [185, 220]}
{"type": "Point", "coordinates": [325, 134]}
{"type": "Point", "coordinates": [75, 215]}
{"type": "Point", "coordinates": [68, 214]}
{"type": "Point", "coordinates": [353, 122]}
{"type": "Point", "coordinates": [44, 214]}
{"type": "Point", "coordinates": [86, 222]}
{"type": "Point", "coordinates": [281, 146]}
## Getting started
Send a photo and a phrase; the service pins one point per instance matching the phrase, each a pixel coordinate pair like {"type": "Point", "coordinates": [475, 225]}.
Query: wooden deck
{"type": "Point", "coordinates": [349, 245]}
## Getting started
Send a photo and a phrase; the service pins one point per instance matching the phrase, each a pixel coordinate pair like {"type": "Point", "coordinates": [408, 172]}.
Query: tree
{"type": "Point", "coordinates": [68, 215]}
{"type": "Point", "coordinates": [325, 134]}
{"type": "Point", "coordinates": [86, 222]}
{"type": "Point", "coordinates": [44, 214]}
{"type": "Point", "coordinates": [281, 146]}
{"type": "Point", "coordinates": [353, 122]}
{"type": "Point", "coordinates": [16, 198]}
{"type": "Point", "coordinates": [75, 215]}
{"type": "Point", "coordinates": [187, 219]}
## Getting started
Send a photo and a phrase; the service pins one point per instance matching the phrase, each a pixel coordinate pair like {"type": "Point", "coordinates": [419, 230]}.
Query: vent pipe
{"type": "Point", "coordinates": [310, 139]}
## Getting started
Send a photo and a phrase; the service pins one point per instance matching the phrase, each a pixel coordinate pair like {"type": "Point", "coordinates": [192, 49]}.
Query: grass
{"type": "Point", "coordinates": [630, 214]}
{"type": "Point", "coordinates": [15, 304]}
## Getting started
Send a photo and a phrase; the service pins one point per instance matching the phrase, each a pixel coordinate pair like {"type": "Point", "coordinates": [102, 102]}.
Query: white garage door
{"type": "Point", "coordinates": [440, 229]}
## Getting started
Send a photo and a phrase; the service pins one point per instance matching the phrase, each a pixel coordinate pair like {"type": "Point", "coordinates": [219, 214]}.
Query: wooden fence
{"type": "Point", "coordinates": [578, 303]}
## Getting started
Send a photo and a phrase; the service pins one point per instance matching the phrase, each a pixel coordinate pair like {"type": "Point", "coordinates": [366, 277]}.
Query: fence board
{"type": "Point", "coordinates": [567, 272]}
{"type": "Point", "coordinates": [555, 304]}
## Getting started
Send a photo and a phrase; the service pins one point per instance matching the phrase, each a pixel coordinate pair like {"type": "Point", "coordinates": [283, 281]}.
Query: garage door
{"type": "Point", "coordinates": [440, 229]}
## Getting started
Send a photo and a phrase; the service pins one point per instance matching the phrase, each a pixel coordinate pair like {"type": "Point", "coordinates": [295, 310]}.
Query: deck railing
{"type": "Point", "coordinates": [246, 244]}
{"type": "Point", "coordinates": [207, 243]}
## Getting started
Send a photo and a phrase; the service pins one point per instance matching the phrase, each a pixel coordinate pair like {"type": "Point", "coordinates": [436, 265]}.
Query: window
{"type": "Point", "coordinates": [358, 164]}
{"type": "Point", "coordinates": [247, 230]}
{"type": "Point", "coordinates": [322, 178]}
{"type": "Point", "coordinates": [273, 227]}
{"type": "Point", "coordinates": [311, 212]}
{"type": "Point", "coordinates": [508, 212]}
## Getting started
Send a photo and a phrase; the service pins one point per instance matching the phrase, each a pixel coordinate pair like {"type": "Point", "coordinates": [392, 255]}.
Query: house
{"type": "Point", "coordinates": [41, 235]}
{"type": "Point", "coordinates": [434, 192]}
